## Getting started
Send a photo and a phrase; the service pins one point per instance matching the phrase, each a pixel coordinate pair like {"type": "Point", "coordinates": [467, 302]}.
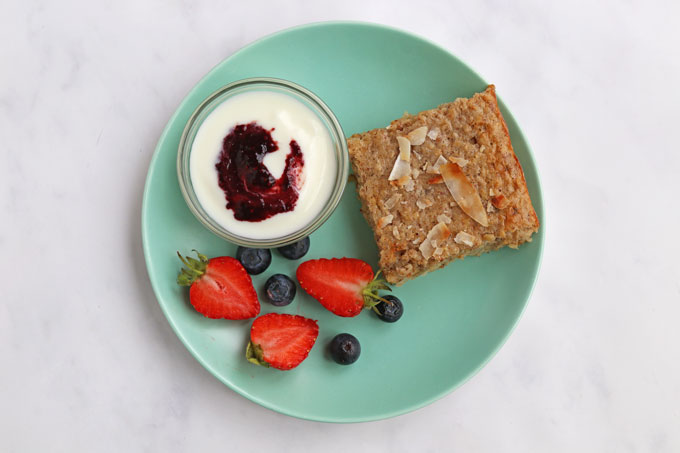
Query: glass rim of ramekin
{"type": "Point", "coordinates": [208, 105]}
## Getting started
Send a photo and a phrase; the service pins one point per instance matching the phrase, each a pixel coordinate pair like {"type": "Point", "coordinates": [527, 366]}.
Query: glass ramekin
{"type": "Point", "coordinates": [303, 95]}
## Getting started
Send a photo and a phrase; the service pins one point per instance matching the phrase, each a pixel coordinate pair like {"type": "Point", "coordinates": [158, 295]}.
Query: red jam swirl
{"type": "Point", "coordinates": [252, 193]}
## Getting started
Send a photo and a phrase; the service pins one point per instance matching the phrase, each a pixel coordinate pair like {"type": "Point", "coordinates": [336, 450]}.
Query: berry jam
{"type": "Point", "coordinates": [252, 193]}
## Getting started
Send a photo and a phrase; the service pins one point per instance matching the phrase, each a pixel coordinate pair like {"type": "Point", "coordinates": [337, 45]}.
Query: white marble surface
{"type": "Point", "coordinates": [89, 363]}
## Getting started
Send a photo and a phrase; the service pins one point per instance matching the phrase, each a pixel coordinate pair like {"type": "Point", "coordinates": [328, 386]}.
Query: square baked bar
{"type": "Point", "coordinates": [441, 185]}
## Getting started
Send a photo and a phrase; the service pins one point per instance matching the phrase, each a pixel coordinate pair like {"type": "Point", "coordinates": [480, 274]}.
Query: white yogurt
{"type": "Point", "coordinates": [291, 120]}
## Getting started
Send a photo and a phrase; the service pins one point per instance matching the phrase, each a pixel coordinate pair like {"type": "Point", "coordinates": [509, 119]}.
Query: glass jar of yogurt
{"type": "Point", "coordinates": [262, 162]}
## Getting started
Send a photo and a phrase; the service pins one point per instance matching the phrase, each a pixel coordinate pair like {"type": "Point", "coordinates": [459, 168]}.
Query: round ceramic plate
{"type": "Point", "coordinates": [455, 319]}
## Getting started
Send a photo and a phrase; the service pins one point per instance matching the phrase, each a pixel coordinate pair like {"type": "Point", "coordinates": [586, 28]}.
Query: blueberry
{"type": "Point", "coordinates": [390, 312]}
{"type": "Point", "coordinates": [280, 290]}
{"type": "Point", "coordinates": [296, 250]}
{"type": "Point", "coordinates": [345, 349]}
{"type": "Point", "coordinates": [255, 261]}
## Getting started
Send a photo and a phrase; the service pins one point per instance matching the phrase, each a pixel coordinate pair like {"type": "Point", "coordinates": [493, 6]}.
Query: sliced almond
{"type": "Point", "coordinates": [433, 134]}
{"type": "Point", "coordinates": [458, 160]}
{"type": "Point", "coordinates": [443, 218]}
{"type": "Point", "coordinates": [404, 149]}
{"type": "Point", "coordinates": [384, 221]}
{"type": "Point", "coordinates": [421, 204]}
{"type": "Point", "coordinates": [438, 251]}
{"type": "Point", "coordinates": [464, 238]}
{"type": "Point", "coordinates": [401, 169]}
{"type": "Point", "coordinates": [499, 201]}
{"type": "Point", "coordinates": [464, 192]}
{"type": "Point", "coordinates": [417, 136]}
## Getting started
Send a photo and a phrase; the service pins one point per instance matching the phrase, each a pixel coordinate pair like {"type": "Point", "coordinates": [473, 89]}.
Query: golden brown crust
{"type": "Point", "coordinates": [471, 130]}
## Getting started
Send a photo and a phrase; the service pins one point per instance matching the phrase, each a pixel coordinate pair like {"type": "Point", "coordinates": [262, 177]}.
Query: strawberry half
{"type": "Point", "coordinates": [219, 287]}
{"type": "Point", "coordinates": [342, 285]}
{"type": "Point", "coordinates": [281, 341]}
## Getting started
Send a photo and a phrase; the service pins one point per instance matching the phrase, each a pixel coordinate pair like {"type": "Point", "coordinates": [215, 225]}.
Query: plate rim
{"type": "Point", "coordinates": [277, 408]}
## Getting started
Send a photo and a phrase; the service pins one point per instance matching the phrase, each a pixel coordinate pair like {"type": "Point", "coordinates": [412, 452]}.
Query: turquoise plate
{"type": "Point", "coordinates": [455, 318]}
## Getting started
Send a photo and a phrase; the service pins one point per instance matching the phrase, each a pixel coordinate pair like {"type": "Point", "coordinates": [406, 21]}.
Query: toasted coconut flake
{"type": "Point", "coordinates": [443, 218]}
{"type": "Point", "coordinates": [401, 169]}
{"type": "Point", "coordinates": [395, 232]}
{"type": "Point", "coordinates": [433, 134]}
{"type": "Point", "coordinates": [392, 201]}
{"type": "Point", "coordinates": [499, 201]}
{"type": "Point", "coordinates": [401, 182]}
{"type": "Point", "coordinates": [464, 192]}
{"type": "Point", "coordinates": [464, 238]}
{"type": "Point", "coordinates": [417, 136]}
{"type": "Point", "coordinates": [437, 234]}
{"type": "Point", "coordinates": [435, 180]}
{"type": "Point", "coordinates": [489, 207]}
{"type": "Point", "coordinates": [434, 168]}
{"type": "Point", "coordinates": [409, 185]}
{"type": "Point", "coordinates": [458, 160]}
{"type": "Point", "coordinates": [426, 249]}
{"type": "Point", "coordinates": [384, 221]}
{"type": "Point", "coordinates": [438, 251]}
{"type": "Point", "coordinates": [404, 149]}
{"type": "Point", "coordinates": [491, 192]}
{"type": "Point", "coordinates": [421, 204]}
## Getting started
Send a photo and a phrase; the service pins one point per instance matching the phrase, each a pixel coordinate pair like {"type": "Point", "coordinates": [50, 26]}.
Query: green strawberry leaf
{"type": "Point", "coordinates": [255, 355]}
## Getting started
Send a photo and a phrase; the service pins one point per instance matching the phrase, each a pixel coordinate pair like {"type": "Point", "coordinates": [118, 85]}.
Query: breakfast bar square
{"type": "Point", "coordinates": [441, 185]}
